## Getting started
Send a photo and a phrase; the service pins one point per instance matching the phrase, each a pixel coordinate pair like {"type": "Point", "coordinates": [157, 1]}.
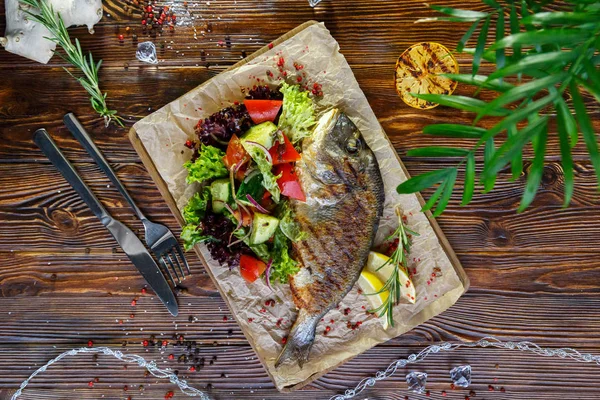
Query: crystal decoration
{"type": "Point", "coordinates": [146, 52]}
{"type": "Point", "coordinates": [416, 381]}
{"type": "Point", "coordinates": [461, 375]}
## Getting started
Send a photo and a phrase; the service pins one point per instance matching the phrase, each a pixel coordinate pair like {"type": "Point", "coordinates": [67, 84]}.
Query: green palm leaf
{"type": "Point", "coordinates": [448, 189]}
{"type": "Point", "coordinates": [587, 129]}
{"type": "Point", "coordinates": [454, 130]}
{"type": "Point", "coordinates": [469, 180]}
{"type": "Point", "coordinates": [423, 181]}
{"type": "Point", "coordinates": [434, 151]}
{"type": "Point", "coordinates": [534, 176]}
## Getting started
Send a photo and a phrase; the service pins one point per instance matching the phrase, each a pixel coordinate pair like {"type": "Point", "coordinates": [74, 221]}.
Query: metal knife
{"type": "Point", "coordinates": [129, 242]}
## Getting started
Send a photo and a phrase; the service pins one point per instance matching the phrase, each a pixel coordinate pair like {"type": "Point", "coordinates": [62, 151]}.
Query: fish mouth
{"type": "Point", "coordinates": [324, 126]}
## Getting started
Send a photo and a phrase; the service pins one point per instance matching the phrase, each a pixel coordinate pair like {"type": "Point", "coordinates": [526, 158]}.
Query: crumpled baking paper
{"type": "Point", "coordinates": [437, 283]}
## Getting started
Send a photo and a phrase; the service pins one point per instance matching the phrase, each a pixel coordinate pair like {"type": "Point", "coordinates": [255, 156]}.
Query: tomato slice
{"type": "Point", "coordinates": [263, 110]}
{"type": "Point", "coordinates": [251, 268]}
{"type": "Point", "coordinates": [284, 152]}
{"type": "Point", "coordinates": [289, 183]}
{"type": "Point", "coordinates": [235, 153]}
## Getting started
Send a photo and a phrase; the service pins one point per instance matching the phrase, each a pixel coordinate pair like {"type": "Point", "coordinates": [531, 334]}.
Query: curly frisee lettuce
{"type": "Point", "coordinates": [298, 115]}
{"type": "Point", "coordinates": [208, 165]}
{"type": "Point", "coordinates": [193, 213]}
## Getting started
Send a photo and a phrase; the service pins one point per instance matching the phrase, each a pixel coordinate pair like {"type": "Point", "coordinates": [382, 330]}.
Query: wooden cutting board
{"type": "Point", "coordinates": [163, 188]}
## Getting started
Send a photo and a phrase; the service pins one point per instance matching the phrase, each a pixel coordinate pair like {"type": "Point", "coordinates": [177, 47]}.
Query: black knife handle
{"type": "Point", "coordinates": [51, 150]}
{"type": "Point", "coordinates": [86, 141]}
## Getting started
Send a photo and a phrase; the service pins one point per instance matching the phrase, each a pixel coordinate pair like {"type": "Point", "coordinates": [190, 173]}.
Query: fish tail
{"type": "Point", "coordinates": [300, 339]}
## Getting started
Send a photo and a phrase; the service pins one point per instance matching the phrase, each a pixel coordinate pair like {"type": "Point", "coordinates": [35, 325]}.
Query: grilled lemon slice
{"type": "Point", "coordinates": [417, 72]}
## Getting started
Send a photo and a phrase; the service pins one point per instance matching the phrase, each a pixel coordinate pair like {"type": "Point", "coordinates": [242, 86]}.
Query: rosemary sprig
{"type": "Point", "coordinates": [73, 55]}
{"type": "Point", "coordinates": [544, 55]}
{"type": "Point", "coordinates": [399, 260]}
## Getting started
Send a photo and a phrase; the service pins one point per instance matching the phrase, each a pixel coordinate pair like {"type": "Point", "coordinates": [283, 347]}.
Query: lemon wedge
{"type": "Point", "coordinates": [370, 284]}
{"type": "Point", "coordinates": [374, 263]}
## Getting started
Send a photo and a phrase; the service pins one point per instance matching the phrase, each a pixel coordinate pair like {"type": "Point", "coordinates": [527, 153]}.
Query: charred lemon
{"type": "Point", "coordinates": [418, 71]}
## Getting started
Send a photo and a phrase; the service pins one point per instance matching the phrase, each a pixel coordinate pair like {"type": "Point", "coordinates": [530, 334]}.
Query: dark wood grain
{"type": "Point", "coordinates": [63, 282]}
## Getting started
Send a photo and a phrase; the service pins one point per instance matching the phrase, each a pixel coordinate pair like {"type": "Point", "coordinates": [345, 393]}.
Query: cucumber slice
{"type": "Point", "coordinates": [263, 134]}
{"type": "Point", "coordinates": [220, 191]}
{"type": "Point", "coordinates": [263, 227]}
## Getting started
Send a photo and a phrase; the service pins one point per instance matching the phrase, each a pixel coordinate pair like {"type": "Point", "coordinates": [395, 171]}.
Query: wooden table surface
{"type": "Point", "coordinates": [63, 281]}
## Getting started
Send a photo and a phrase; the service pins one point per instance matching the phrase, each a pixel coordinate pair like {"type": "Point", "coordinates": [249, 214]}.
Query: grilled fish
{"type": "Point", "coordinates": [344, 202]}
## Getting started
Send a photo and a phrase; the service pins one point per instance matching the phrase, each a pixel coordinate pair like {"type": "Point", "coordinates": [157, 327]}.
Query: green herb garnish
{"type": "Point", "coordinates": [399, 260]}
{"type": "Point", "coordinates": [73, 55]}
{"type": "Point", "coordinates": [545, 55]}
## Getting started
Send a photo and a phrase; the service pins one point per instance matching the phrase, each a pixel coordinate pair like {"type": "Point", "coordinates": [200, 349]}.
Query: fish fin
{"type": "Point", "coordinates": [300, 339]}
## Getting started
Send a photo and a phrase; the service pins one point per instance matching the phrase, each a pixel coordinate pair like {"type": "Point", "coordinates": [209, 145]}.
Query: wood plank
{"type": "Point", "coordinates": [58, 263]}
{"type": "Point", "coordinates": [37, 217]}
{"type": "Point", "coordinates": [77, 319]}
{"type": "Point", "coordinates": [25, 111]}
{"type": "Point", "coordinates": [101, 273]}
{"type": "Point", "coordinates": [526, 377]}
{"type": "Point", "coordinates": [383, 21]}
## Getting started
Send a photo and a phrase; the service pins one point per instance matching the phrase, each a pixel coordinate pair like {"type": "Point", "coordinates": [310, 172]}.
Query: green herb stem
{"type": "Point", "coordinates": [73, 55]}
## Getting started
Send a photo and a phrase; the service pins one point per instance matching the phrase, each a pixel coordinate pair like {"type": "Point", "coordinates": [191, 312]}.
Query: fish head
{"type": "Point", "coordinates": [337, 151]}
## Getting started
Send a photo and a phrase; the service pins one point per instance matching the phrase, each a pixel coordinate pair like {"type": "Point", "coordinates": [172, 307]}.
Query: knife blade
{"type": "Point", "coordinates": [129, 242]}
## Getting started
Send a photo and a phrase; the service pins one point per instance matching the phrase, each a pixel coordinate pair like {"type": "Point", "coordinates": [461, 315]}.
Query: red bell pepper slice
{"type": "Point", "coordinates": [285, 152]}
{"type": "Point", "coordinates": [263, 110]}
{"type": "Point", "coordinates": [289, 183]}
{"type": "Point", "coordinates": [251, 268]}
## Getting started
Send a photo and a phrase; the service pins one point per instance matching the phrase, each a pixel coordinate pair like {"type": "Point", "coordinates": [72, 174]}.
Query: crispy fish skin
{"type": "Point", "coordinates": [344, 202]}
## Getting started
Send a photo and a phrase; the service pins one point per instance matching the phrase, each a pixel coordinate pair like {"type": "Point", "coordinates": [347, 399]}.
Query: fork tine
{"type": "Point", "coordinates": [167, 256]}
{"type": "Point", "coordinates": [181, 256]}
{"type": "Point", "coordinates": [163, 265]}
{"type": "Point", "coordinates": [178, 263]}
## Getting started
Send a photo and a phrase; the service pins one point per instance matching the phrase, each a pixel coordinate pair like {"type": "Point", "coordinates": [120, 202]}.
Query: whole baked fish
{"type": "Point", "coordinates": [344, 202]}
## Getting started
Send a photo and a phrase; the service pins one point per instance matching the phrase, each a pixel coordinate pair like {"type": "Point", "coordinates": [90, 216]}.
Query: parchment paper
{"type": "Point", "coordinates": [437, 283]}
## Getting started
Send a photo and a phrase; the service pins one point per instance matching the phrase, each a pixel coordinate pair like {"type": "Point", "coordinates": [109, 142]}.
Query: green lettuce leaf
{"type": "Point", "coordinates": [283, 265]}
{"type": "Point", "coordinates": [195, 209]}
{"type": "Point", "coordinates": [269, 181]}
{"type": "Point", "coordinates": [288, 226]}
{"type": "Point", "coordinates": [193, 212]}
{"type": "Point", "coordinates": [191, 236]}
{"type": "Point", "coordinates": [298, 115]}
{"type": "Point", "coordinates": [208, 165]}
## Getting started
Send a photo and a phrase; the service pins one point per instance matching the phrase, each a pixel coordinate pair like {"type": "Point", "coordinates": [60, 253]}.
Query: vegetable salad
{"type": "Point", "coordinates": [244, 160]}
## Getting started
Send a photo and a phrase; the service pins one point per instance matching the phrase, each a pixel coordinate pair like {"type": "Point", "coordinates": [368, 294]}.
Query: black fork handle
{"type": "Point", "coordinates": [86, 141]}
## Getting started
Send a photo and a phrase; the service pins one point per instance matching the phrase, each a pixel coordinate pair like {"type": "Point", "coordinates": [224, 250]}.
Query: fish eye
{"type": "Point", "coordinates": [353, 145]}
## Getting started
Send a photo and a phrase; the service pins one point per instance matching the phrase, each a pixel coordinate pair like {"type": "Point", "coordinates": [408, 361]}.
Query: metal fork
{"type": "Point", "coordinates": [159, 238]}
